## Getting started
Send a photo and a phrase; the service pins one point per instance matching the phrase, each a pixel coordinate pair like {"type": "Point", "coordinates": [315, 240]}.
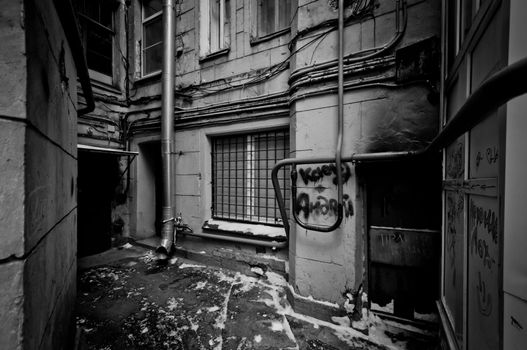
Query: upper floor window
{"type": "Point", "coordinates": [214, 26]}
{"type": "Point", "coordinates": [152, 42]}
{"type": "Point", "coordinates": [273, 16]}
{"type": "Point", "coordinates": [97, 33]}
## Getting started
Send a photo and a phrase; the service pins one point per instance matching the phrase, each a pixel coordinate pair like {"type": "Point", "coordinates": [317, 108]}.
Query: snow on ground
{"type": "Point", "coordinates": [388, 308]}
{"type": "Point", "coordinates": [186, 266]}
{"type": "Point", "coordinates": [255, 229]}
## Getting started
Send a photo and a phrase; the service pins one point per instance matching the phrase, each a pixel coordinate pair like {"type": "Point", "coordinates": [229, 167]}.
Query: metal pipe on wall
{"type": "Point", "coordinates": [167, 127]}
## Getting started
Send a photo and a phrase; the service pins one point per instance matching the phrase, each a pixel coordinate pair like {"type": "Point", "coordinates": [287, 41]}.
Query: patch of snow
{"type": "Point", "coordinates": [172, 261]}
{"type": "Point", "coordinates": [172, 304]}
{"type": "Point", "coordinates": [277, 326]}
{"type": "Point", "coordinates": [257, 338]}
{"type": "Point", "coordinates": [341, 321]}
{"type": "Point", "coordinates": [388, 308]}
{"type": "Point", "coordinates": [348, 306]}
{"type": "Point", "coordinates": [186, 266]}
{"type": "Point", "coordinates": [276, 279]}
{"type": "Point", "coordinates": [257, 270]}
{"type": "Point", "coordinates": [288, 330]}
{"type": "Point", "coordinates": [131, 263]}
{"type": "Point", "coordinates": [220, 321]}
{"type": "Point", "coordinates": [223, 277]}
{"type": "Point", "coordinates": [219, 343]}
{"type": "Point", "coordinates": [254, 229]}
{"type": "Point", "coordinates": [213, 308]}
{"type": "Point", "coordinates": [311, 299]}
{"type": "Point", "coordinates": [203, 252]}
{"type": "Point", "coordinates": [271, 257]}
{"type": "Point", "coordinates": [144, 330]}
{"type": "Point", "coordinates": [200, 285]}
{"type": "Point", "coordinates": [426, 317]}
{"type": "Point", "coordinates": [193, 326]}
{"type": "Point", "coordinates": [127, 246]}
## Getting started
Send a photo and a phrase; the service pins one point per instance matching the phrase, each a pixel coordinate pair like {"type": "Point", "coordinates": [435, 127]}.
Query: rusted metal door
{"type": "Point", "coordinates": [403, 221]}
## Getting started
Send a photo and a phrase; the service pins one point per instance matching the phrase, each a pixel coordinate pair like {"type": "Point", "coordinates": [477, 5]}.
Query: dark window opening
{"type": "Point", "coordinates": [242, 186]}
{"type": "Point", "coordinates": [273, 16]}
{"type": "Point", "coordinates": [96, 26]}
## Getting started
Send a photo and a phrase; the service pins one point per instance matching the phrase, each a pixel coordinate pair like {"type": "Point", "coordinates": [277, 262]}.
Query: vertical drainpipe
{"type": "Point", "coordinates": [167, 127]}
{"type": "Point", "coordinates": [340, 110]}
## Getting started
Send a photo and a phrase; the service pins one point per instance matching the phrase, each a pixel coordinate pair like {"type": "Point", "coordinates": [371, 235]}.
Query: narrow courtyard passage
{"type": "Point", "coordinates": [127, 300]}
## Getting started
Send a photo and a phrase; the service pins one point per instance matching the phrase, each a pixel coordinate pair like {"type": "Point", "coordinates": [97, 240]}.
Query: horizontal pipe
{"type": "Point", "coordinates": [497, 90]}
{"type": "Point", "coordinates": [272, 244]}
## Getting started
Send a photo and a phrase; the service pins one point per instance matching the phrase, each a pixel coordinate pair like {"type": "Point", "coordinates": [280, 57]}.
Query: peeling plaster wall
{"type": "Point", "coordinates": [376, 118]}
{"type": "Point", "coordinates": [39, 169]}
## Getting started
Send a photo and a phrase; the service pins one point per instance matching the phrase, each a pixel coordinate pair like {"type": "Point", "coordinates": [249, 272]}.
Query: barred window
{"type": "Point", "coordinates": [242, 187]}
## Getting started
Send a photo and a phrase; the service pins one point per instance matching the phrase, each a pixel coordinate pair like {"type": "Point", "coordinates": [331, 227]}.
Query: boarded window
{"type": "Point", "coordinates": [273, 16]}
{"type": "Point", "coordinates": [242, 186]}
{"type": "Point", "coordinates": [152, 57]}
{"type": "Point", "coordinates": [96, 26]}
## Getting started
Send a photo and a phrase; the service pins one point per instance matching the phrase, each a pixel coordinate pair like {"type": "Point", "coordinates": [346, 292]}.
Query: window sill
{"type": "Point", "coordinates": [255, 41]}
{"type": "Point", "coordinates": [245, 229]}
{"type": "Point", "coordinates": [148, 78]}
{"type": "Point", "coordinates": [214, 55]}
{"type": "Point", "coordinates": [104, 86]}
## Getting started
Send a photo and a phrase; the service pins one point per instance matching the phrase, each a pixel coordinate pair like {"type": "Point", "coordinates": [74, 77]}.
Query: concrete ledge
{"type": "Point", "coordinates": [225, 255]}
{"type": "Point", "coordinates": [314, 308]}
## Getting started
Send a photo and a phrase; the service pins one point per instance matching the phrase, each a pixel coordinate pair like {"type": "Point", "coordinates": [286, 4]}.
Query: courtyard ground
{"type": "Point", "coordinates": [127, 300]}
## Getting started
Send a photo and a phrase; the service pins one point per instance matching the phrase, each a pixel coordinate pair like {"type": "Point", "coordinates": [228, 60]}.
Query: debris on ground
{"type": "Point", "coordinates": [138, 303]}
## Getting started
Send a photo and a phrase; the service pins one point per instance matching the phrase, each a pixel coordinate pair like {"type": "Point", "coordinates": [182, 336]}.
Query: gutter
{"type": "Point", "coordinates": [71, 30]}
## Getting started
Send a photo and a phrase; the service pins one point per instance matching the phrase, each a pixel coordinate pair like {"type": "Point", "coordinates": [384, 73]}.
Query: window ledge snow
{"type": "Point", "coordinates": [246, 229]}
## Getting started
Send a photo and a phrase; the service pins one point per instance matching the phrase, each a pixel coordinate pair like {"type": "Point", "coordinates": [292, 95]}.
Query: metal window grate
{"type": "Point", "coordinates": [242, 187]}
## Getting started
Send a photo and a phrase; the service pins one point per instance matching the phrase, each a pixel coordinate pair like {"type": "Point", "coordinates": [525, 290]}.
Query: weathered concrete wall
{"type": "Point", "coordinates": [39, 169]}
{"type": "Point", "coordinates": [384, 116]}
{"type": "Point", "coordinates": [376, 118]}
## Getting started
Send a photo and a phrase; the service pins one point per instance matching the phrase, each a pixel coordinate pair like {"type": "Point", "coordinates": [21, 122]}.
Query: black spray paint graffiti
{"type": "Point", "coordinates": [317, 174]}
{"type": "Point", "coordinates": [322, 206]}
{"type": "Point", "coordinates": [480, 248]}
{"type": "Point", "coordinates": [487, 218]}
{"type": "Point", "coordinates": [491, 155]}
{"type": "Point", "coordinates": [484, 297]}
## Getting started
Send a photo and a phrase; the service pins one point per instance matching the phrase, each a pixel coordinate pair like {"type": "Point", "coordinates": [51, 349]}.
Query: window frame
{"type": "Point", "coordinates": [205, 50]}
{"type": "Point", "coordinates": [253, 217]}
{"type": "Point", "coordinates": [145, 21]}
{"type": "Point", "coordinates": [96, 75]}
{"type": "Point", "coordinates": [277, 30]}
